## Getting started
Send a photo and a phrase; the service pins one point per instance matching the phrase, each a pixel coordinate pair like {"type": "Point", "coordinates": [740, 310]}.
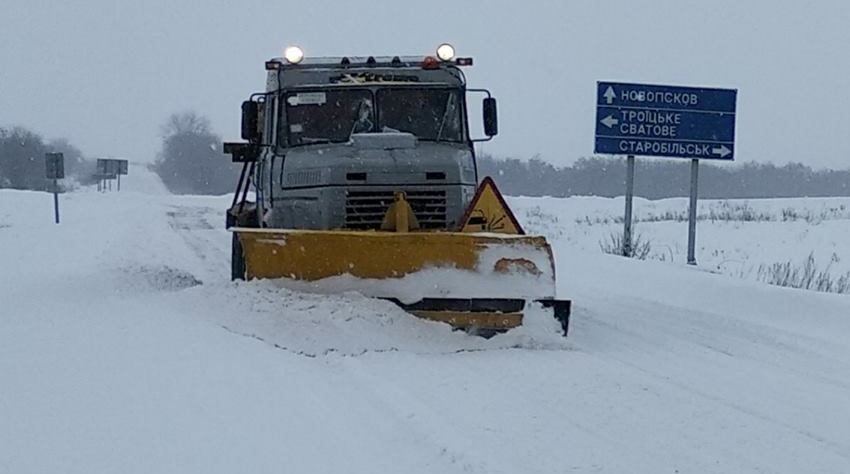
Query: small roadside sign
{"type": "Point", "coordinates": [102, 166]}
{"type": "Point", "coordinates": [55, 170]}
{"type": "Point", "coordinates": [55, 165]}
{"type": "Point", "coordinates": [109, 169]}
{"type": "Point", "coordinates": [112, 167]}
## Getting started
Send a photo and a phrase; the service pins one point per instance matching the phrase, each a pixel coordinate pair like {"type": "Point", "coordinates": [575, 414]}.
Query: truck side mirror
{"type": "Point", "coordinates": [491, 120]}
{"type": "Point", "coordinates": [250, 121]}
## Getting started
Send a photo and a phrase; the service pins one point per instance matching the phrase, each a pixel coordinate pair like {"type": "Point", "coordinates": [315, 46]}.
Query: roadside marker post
{"type": "Point", "coordinates": [664, 121]}
{"type": "Point", "coordinates": [55, 170]}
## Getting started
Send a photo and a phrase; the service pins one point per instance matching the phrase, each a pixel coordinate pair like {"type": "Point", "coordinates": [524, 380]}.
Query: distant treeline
{"type": "Point", "coordinates": [22, 159]}
{"type": "Point", "coordinates": [191, 161]}
{"type": "Point", "coordinates": [656, 179]}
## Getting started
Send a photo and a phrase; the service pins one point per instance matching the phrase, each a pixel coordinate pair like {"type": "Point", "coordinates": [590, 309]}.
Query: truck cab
{"type": "Point", "coordinates": [332, 140]}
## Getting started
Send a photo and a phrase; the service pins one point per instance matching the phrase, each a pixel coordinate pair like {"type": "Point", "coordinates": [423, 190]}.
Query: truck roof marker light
{"type": "Point", "coordinates": [463, 61]}
{"type": "Point", "coordinates": [446, 52]}
{"type": "Point", "coordinates": [293, 54]}
{"type": "Point", "coordinates": [430, 62]}
{"type": "Point", "coordinates": [272, 65]}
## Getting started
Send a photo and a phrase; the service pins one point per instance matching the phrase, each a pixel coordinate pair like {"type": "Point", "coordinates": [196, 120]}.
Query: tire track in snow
{"type": "Point", "coordinates": [209, 243]}
{"type": "Point", "coordinates": [660, 331]}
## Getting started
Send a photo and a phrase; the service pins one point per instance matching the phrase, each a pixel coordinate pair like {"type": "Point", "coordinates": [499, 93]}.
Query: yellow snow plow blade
{"type": "Point", "coordinates": [480, 277]}
{"type": "Point", "coordinates": [466, 280]}
{"type": "Point", "coordinates": [317, 254]}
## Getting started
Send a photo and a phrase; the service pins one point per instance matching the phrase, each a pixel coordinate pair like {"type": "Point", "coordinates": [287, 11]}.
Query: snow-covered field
{"type": "Point", "coordinates": [124, 347]}
{"type": "Point", "coordinates": [734, 237]}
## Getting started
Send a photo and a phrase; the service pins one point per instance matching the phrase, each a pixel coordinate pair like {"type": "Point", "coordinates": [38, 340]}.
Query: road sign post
{"type": "Point", "coordinates": [56, 200]}
{"type": "Point", "coordinates": [665, 121]}
{"type": "Point", "coordinates": [692, 213]}
{"type": "Point", "coordinates": [55, 170]}
{"type": "Point", "coordinates": [630, 191]}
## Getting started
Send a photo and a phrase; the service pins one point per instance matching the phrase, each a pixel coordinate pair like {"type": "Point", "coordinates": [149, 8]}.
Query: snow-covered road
{"type": "Point", "coordinates": [124, 347]}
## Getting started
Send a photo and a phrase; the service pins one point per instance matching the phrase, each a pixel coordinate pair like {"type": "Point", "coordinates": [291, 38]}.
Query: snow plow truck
{"type": "Point", "coordinates": [359, 174]}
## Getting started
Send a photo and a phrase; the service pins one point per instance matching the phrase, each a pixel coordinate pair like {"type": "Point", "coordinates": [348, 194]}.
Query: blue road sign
{"type": "Point", "coordinates": [652, 120]}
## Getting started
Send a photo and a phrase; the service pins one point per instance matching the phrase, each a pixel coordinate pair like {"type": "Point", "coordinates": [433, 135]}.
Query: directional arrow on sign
{"type": "Point", "coordinates": [609, 94]}
{"type": "Point", "coordinates": [722, 151]}
{"type": "Point", "coordinates": [609, 121]}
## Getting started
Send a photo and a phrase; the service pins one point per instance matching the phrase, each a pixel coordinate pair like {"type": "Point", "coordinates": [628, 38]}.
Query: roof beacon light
{"type": "Point", "coordinates": [430, 62]}
{"type": "Point", "coordinates": [446, 52]}
{"type": "Point", "coordinates": [293, 54]}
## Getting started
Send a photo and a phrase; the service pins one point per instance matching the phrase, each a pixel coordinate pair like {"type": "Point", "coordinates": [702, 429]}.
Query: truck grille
{"type": "Point", "coordinates": [366, 209]}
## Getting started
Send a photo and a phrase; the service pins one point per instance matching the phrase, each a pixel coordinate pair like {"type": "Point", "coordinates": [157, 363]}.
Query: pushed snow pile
{"type": "Point", "coordinates": [312, 324]}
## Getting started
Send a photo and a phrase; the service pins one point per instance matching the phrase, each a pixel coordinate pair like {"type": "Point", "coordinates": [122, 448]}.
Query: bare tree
{"type": "Point", "coordinates": [185, 123]}
{"type": "Point", "coordinates": [22, 159]}
{"type": "Point", "coordinates": [191, 161]}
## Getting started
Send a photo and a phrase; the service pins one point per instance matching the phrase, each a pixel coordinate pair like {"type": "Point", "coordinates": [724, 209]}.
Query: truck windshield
{"type": "Point", "coordinates": [430, 114]}
{"type": "Point", "coordinates": [332, 115]}
{"type": "Point", "coordinates": [328, 116]}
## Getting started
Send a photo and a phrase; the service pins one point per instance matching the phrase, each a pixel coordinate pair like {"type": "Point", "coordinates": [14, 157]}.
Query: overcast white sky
{"type": "Point", "coordinates": [106, 73]}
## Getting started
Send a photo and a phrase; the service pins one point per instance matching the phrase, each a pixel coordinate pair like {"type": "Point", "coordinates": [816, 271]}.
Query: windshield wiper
{"type": "Point", "coordinates": [313, 141]}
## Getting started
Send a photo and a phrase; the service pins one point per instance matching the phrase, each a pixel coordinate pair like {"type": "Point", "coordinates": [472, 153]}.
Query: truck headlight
{"type": "Point", "coordinates": [293, 54]}
{"type": "Point", "coordinates": [446, 52]}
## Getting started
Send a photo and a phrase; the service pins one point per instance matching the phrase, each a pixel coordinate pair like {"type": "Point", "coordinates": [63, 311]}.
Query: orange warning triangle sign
{"type": "Point", "coordinates": [488, 212]}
